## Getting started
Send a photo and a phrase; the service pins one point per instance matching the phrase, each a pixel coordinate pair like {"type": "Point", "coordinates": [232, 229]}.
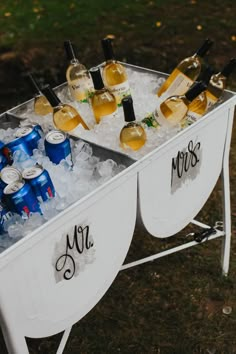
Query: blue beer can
{"type": "Point", "coordinates": [39, 129]}
{"type": "Point", "coordinates": [4, 216]}
{"type": "Point", "coordinates": [57, 146]}
{"type": "Point", "coordinates": [40, 181]}
{"type": "Point", "coordinates": [15, 145]}
{"type": "Point", "coordinates": [3, 159]}
{"type": "Point", "coordinates": [21, 199]}
{"type": "Point", "coordinates": [30, 134]}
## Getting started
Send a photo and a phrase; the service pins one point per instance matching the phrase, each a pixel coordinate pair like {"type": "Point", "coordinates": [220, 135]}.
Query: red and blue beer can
{"type": "Point", "coordinates": [3, 159]}
{"type": "Point", "coordinates": [20, 198]}
{"type": "Point", "coordinates": [57, 146]}
{"type": "Point", "coordinates": [39, 180]}
{"type": "Point", "coordinates": [15, 145]}
{"type": "Point", "coordinates": [4, 216]}
{"type": "Point", "coordinates": [30, 134]}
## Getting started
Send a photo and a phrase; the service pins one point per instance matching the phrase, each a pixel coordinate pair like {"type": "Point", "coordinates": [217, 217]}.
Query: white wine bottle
{"type": "Point", "coordinates": [186, 72]}
{"type": "Point", "coordinates": [215, 88]}
{"type": "Point", "coordinates": [103, 102]}
{"type": "Point", "coordinates": [217, 83]}
{"type": "Point", "coordinates": [132, 135]}
{"type": "Point", "coordinates": [65, 117]}
{"type": "Point", "coordinates": [114, 74]}
{"type": "Point", "coordinates": [197, 107]}
{"type": "Point", "coordinates": [174, 109]}
{"type": "Point", "coordinates": [41, 105]}
{"type": "Point", "coordinates": [77, 76]}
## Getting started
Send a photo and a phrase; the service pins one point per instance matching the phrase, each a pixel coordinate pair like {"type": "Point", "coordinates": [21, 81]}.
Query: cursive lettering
{"type": "Point", "coordinates": [79, 244]}
{"type": "Point", "coordinates": [185, 161]}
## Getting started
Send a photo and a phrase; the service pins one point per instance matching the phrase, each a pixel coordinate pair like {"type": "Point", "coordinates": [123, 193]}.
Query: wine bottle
{"type": "Point", "coordinates": [41, 105]}
{"type": "Point", "coordinates": [65, 117]}
{"type": "Point", "coordinates": [132, 134]}
{"type": "Point", "coordinates": [174, 109]}
{"type": "Point", "coordinates": [215, 88]}
{"type": "Point", "coordinates": [114, 73]}
{"type": "Point", "coordinates": [186, 72]}
{"type": "Point", "coordinates": [77, 76]}
{"type": "Point", "coordinates": [217, 83]}
{"type": "Point", "coordinates": [103, 102]}
{"type": "Point", "coordinates": [198, 106]}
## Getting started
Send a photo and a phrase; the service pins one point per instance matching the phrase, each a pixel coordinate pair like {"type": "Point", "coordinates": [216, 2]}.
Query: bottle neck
{"type": "Point", "coordinates": [97, 78]}
{"type": "Point", "coordinates": [228, 69]}
{"type": "Point", "coordinates": [107, 49]}
{"type": "Point", "coordinates": [70, 51]}
{"type": "Point", "coordinates": [74, 61]}
{"type": "Point", "coordinates": [51, 97]}
{"type": "Point", "coordinates": [128, 109]}
{"type": "Point", "coordinates": [34, 85]}
{"type": "Point", "coordinates": [58, 108]}
{"type": "Point", "coordinates": [195, 90]}
{"type": "Point", "coordinates": [201, 52]}
{"type": "Point", "coordinates": [110, 61]}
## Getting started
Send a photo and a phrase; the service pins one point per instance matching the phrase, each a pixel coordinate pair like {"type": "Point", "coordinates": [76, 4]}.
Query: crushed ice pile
{"type": "Point", "coordinates": [71, 183]}
{"type": "Point", "coordinates": [144, 86]}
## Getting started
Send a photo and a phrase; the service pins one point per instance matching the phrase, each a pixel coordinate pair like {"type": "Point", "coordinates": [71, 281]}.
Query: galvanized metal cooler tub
{"type": "Point", "coordinates": [55, 275]}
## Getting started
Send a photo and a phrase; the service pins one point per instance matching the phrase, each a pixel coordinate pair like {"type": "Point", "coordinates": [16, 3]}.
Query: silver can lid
{"type": "Point", "coordinates": [55, 137]}
{"type": "Point", "coordinates": [10, 174]}
{"type": "Point", "coordinates": [32, 172]}
{"type": "Point", "coordinates": [23, 131]}
{"type": "Point", "coordinates": [13, 187]}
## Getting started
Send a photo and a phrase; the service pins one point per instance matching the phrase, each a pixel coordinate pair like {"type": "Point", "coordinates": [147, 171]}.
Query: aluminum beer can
{"type": "Point", "coordinates": [40, 181]}
{"type": "Point", "coordinates": [57, 146]}
{"type": "Point", "coordinates": [4, 215]}
{"type": "Point", "coordinates": [14, 145]}
{"type": "Point", "coordinates": [30, 134]}
{"type": "Point", "coordinates": [8, 175]}
{"type": "Point", "coordinates": [21, 198]}
{"type": "Point", "coordinates": [3, 159]}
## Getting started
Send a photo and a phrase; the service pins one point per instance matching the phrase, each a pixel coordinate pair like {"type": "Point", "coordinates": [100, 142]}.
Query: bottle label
{"type": "Point", "coordinates": [120, 91]}
{"type": "Point", "coordinates": [150, 121]}
{"type": "Point", "coordinates": [192, 117]}
{"type": "Point", "coordinates": [179, 85]}
{"type": "Point", "coordinates": [211, 100]}
{"type": "Point", "coordinates": [161, 119]}
{"type": "Point", "coordinates": [80, 89]}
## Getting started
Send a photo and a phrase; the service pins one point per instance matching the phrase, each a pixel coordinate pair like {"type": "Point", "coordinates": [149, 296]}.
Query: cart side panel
{"type": "Point", "coordinates": [177, 182]}
{"type": "Point", "coordinates": [60, 278]}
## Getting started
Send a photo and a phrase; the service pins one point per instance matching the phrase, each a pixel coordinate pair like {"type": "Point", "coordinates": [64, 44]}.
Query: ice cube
{"type": "Point", "coordinates": [22, 160]}
{"type": "Point", "coordinates": [16, 230]}
{"type": "Point", "coordinates": [106, 168]}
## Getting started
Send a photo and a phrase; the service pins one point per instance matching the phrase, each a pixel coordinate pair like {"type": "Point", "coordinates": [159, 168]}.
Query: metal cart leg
{"type": "Point", "coordinates": [64, 340]}
{"type": "Point", "coordinates": [15, 342]}
{"type": "Point", "coordinates": [225, 251]}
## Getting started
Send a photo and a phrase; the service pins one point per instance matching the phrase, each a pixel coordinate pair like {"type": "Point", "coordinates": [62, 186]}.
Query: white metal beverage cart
{"type": "Point", "coordinates": [58, 273]}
